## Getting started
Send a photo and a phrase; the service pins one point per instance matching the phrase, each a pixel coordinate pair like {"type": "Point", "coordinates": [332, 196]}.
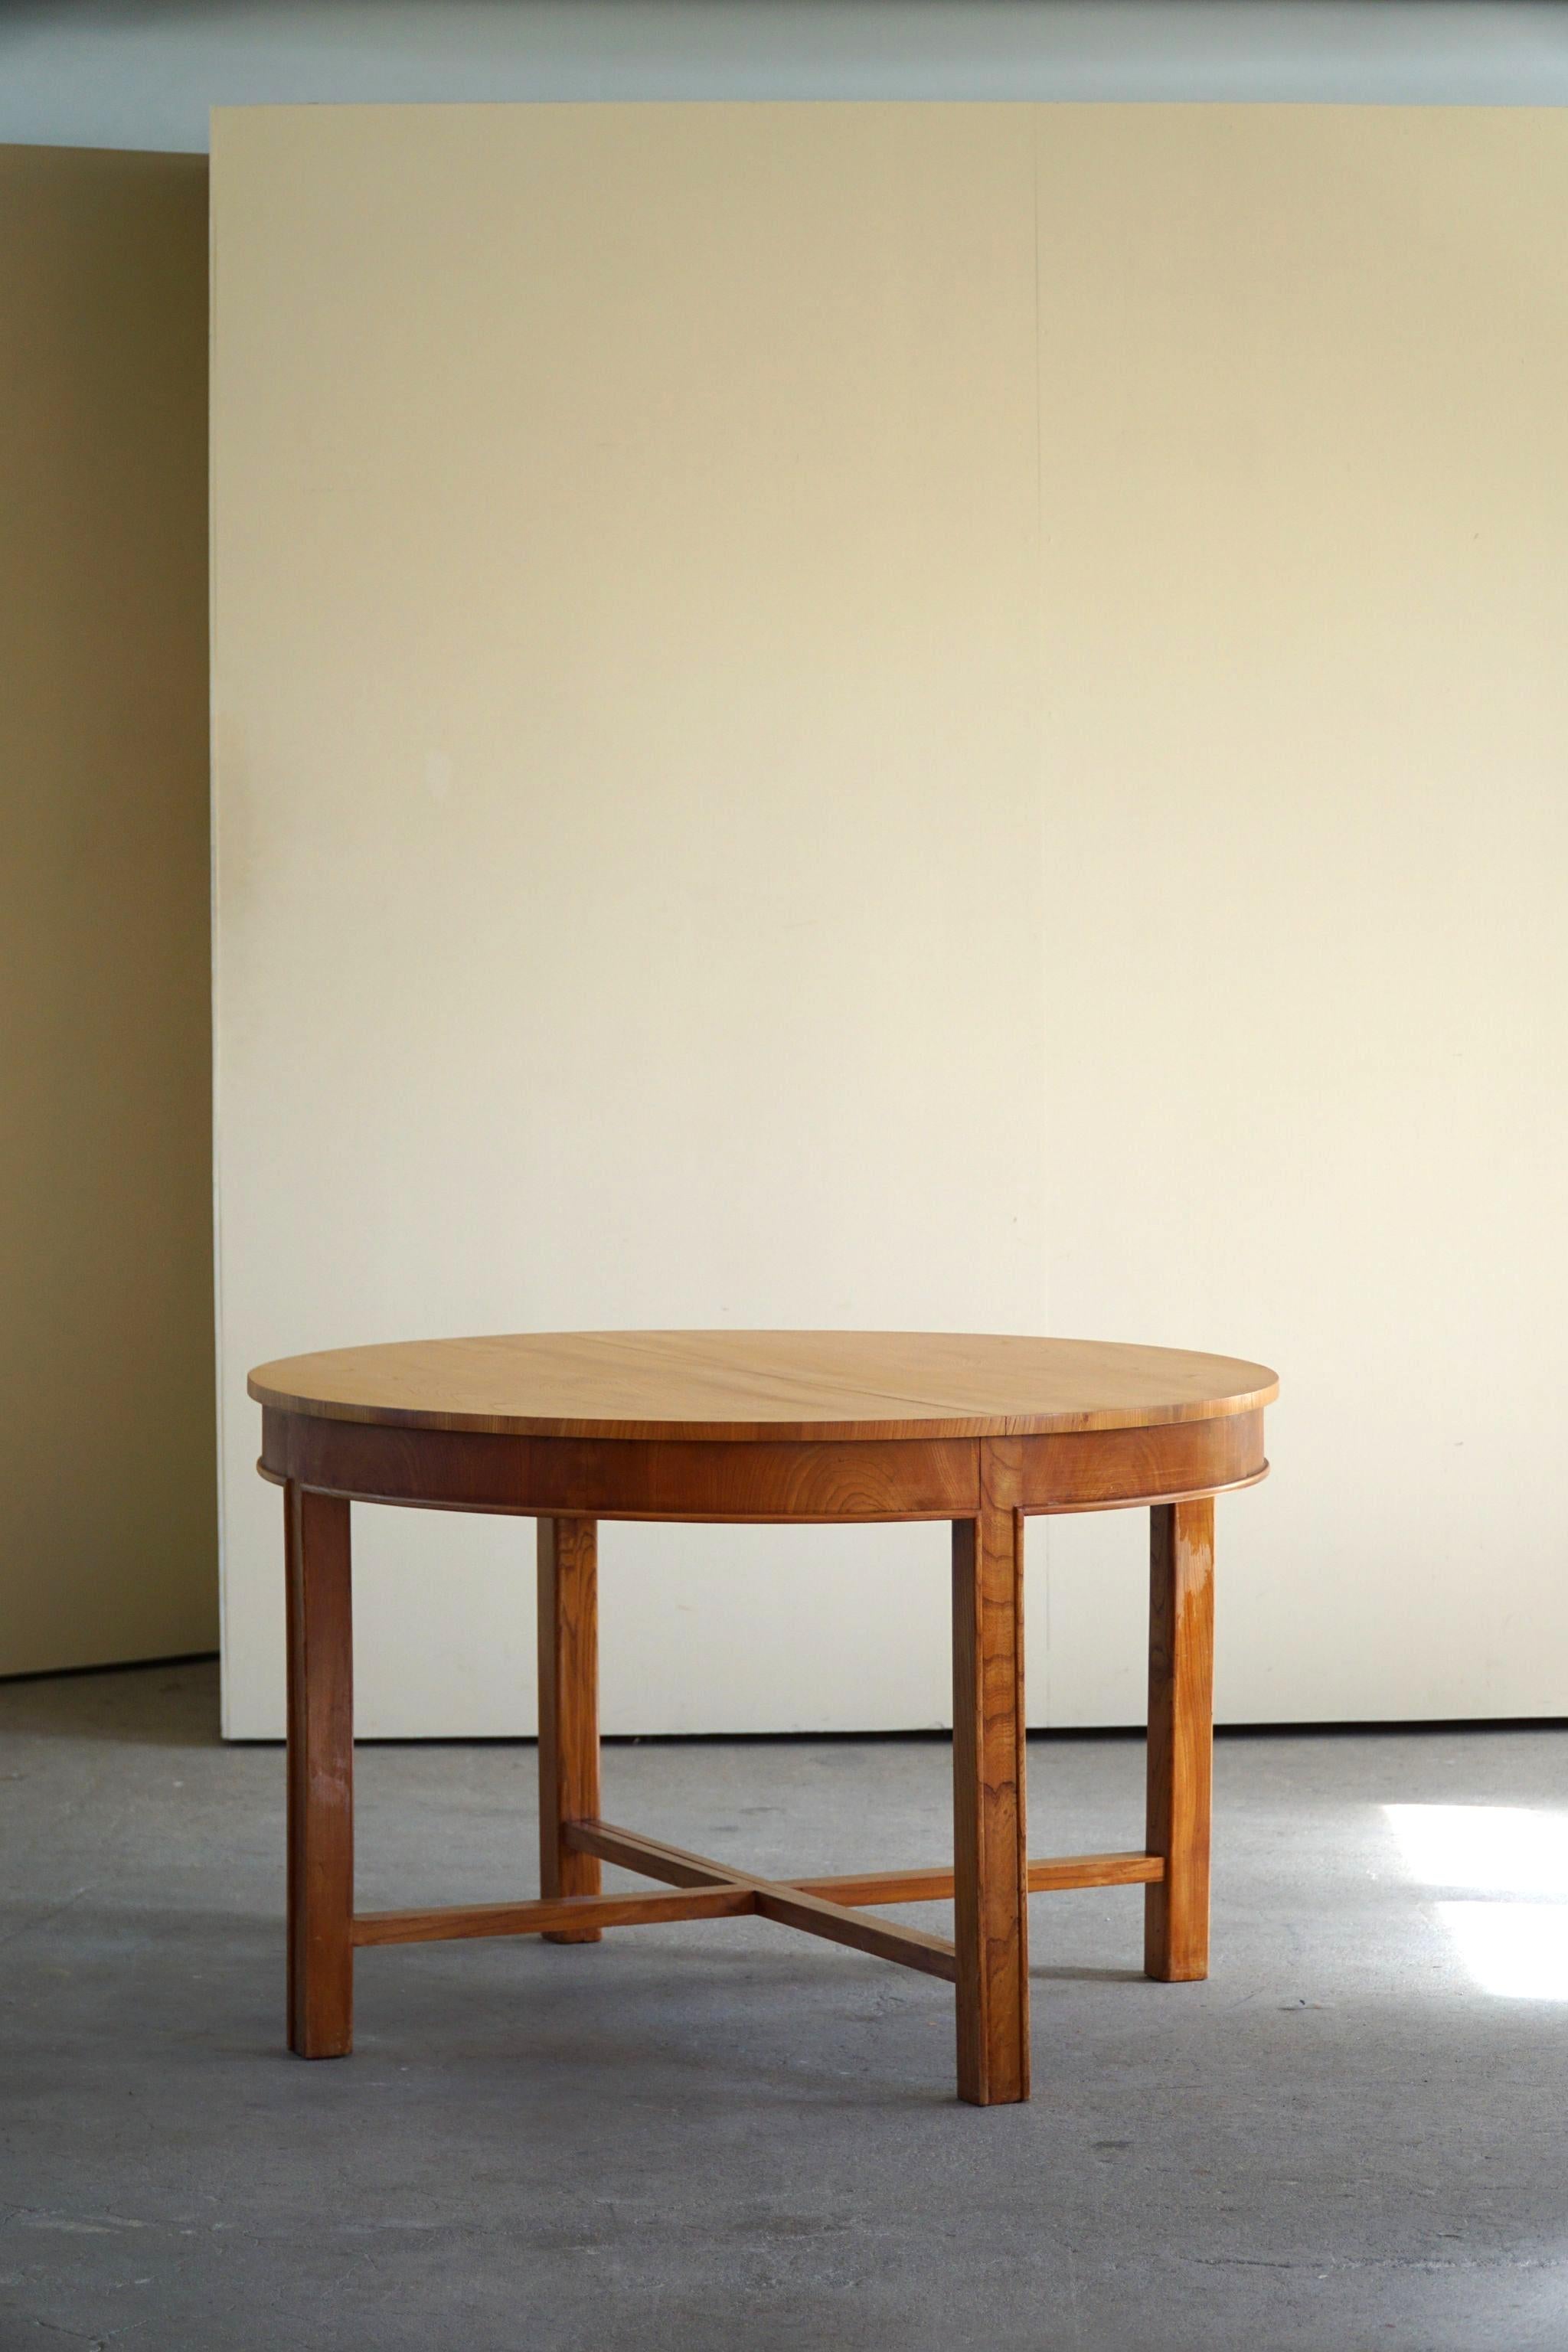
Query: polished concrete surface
{"type": "Point", "coordinates": [725, 2135]}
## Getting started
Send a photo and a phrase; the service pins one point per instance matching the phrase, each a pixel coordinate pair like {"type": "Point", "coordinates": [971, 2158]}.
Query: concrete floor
{"type": "Point", "coordinates": [723, 2136]}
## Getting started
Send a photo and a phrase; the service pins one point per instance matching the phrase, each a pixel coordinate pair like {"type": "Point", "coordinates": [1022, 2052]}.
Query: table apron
{"type": "Point", "coordinates": [764, 1480]}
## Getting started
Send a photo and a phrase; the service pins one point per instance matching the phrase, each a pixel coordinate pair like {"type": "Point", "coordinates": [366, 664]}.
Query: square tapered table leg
{"type": "Point", "coordinates": [568, 1709]}
{"type": "Point", "coordinates": [991, 1929]}
{"type": "Point", "coordinates": [320, 1774]}
{"type": "Point", "coordinates": [1181, 1738]}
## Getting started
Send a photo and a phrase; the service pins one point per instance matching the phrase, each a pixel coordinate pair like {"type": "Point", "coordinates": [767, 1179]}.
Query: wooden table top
{"type": "Point", "coordinates": [762, 1384]}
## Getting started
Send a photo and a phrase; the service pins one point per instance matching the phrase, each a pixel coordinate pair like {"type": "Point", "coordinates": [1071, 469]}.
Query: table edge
{"type": "Point", "coordinates": [909, 1427]}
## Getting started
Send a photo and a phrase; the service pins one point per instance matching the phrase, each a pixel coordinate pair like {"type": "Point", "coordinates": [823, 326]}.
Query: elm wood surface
{"type": "Point", "coordinates": [709, 1890]}
{"type": "Point", "coordinates": [1181, 1739]}
{"type": "Point", "coordinates": [780, 1426]}
{"type": "Point", "coordinates": [562, 1919]}
{"type": "Point", "coordinates": [320, 1774]}
{"type": "Point", "coordinates": [734, 1385]}
{"type": "Point", "coordinates": [568, 1709]}
{"type": "Point", "coordinates": [773, 1898]}
{"type": "Point", "coordinates": [1055, 1876]}
{"type": "Point", "coordinates": [990, 1854]}
{"type": "Point", "coordinates": [761, 1479]}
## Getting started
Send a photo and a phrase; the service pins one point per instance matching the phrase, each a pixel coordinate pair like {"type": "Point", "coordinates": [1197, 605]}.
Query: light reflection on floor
{"type": "Point", "coordinates": [1514, 1943]}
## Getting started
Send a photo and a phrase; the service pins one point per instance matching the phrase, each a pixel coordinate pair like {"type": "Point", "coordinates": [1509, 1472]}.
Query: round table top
{"type": "Point", "coordinates": [797, 1385]}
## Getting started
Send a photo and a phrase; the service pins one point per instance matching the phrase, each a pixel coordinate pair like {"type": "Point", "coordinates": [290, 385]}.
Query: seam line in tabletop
{"type": "Point", "coordinates": [767, 1388]}
{"type": "Point", "coordinates": [776, 1386]}
{"type": "Point", "coordinates": [1015, 1423]}
{"type": "Point", "coordinates": [785, 1384]}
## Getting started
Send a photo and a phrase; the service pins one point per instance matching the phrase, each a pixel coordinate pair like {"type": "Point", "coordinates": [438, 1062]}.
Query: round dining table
{"type": "Point", "coordinates": [814, 1427]}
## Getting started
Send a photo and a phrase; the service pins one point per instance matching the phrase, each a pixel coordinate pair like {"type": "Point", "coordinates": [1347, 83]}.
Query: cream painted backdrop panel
{"type": "Point", "coordinates": [642, 870]}
{"type": "Point", "coordinates": [1305, 392]}
{"type": "Point", "coordinates": [627, 755]}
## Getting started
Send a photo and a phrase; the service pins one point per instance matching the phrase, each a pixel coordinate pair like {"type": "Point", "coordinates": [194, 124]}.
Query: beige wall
{"type": "Point", "coordinates": [905, 715]}
{"type": "Point", "coordinates": [1305, 385]}
{"type": "Point", "coordinates": [627, 709]}
{"type": "Point", "coordinates": [109, 1548]}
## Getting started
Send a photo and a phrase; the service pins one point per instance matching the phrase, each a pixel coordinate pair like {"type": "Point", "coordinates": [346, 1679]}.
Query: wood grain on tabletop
{"type": "Point", "coordinates": [761, 1384]}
